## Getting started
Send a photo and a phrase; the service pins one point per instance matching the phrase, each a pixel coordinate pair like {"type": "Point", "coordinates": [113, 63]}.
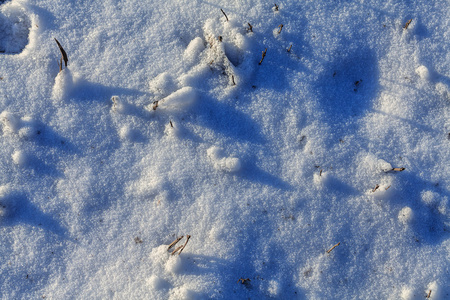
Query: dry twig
{"type": "Point", "coordinates": [407, 24]}
{"type": "Point", "coordinates": [331, 249]}
{"type": "Point", "coordinates": [244, 281]}
{"type": "Point", "coordinates": [289, 49]}
{"type": "Point", "coordinates": [281, 27]}
{"type": "Point", "coordinates": [63, 54]}
{"type": "Point", "coordinates": [187, 240]}
{"type": "Point", "coordinates": [250, 27]}
{"type": "Point", "coordinates": [375, 188]}
{"type": "Point", "coordinates": [263, 55]}
{"type": "Point", "coordinates": [174, 242]}
{"type": "Point", "coordinates": [276, 7]}
{"type": "Point", "coordinates": [398, 169]}
{"type": "Point", "coordinates": [224, 14]}
{"type": "Point", "coordinates": [429, 295]}
{"type": "Point", "coordinates": [176, 250]}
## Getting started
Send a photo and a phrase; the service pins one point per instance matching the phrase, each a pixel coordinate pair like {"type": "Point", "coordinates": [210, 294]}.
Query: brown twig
{"type": "Point", "coordinates": [276, 7]}
{"type": "Point", "coordinates": [174, 242]}
{"type": "Point", "coordinates": [429, 295]}
{"type": "Point", "coordinates": [375, 188]}
{"type": "Point", "coordinates": [331, 249]}
{"type": "Point", "coordinates": [155, 105]}
{"type": "Point", "coordinates": [281, 27]}
{"type": "Point", "coordinates": [187, 240]}
{"type": "Point", "coordinates": [320, 174]}
{"type": "Point", "coordinates": [398, 169]}
{"type": "Point", "coordinates": [243, 281]}
{"type": "Point", "coordinates": [63, 53]}
{"type": "Point", "coordinates": [171, 125]}
{"type": "Point", "coordinates": [387, 188]}
{"type": "Point", "coordinates": [407, 24]}
{"type": "Point", "coordinates": [263, 55]}
{"type": "Point", "coordinates": [176, 250]}
{"type": "Point", "coordinates": [224, 14]}
{"type": "Point", "coordinates": [289, 49]}
{"type": "Point", "coordinates": [232, 80]}
{"type": "Point", "coordinates": [250, 27]}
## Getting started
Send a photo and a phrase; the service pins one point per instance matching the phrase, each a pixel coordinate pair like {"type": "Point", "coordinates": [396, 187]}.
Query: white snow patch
{"type": "Point", "coordinates": [20, 158]}
{"type": "Point", "coordinates": [180, 99]}
{"type": "Point", "coordinates": [162, 85]}
{"type": "Point", "coordinates": [406, 215]}
{"type": "Point", "coordinates": [423, 72]}
{"type": "Point", "coordinates": [63, 85]}
{"type": "Point", "coordinates": [222, 163]}
{"type": "Point", "coordinates": [11, 123]}
{"type": "Point", "coordinates": [193, 50]}
{"type": "Point", "coordinates": [118, 105]}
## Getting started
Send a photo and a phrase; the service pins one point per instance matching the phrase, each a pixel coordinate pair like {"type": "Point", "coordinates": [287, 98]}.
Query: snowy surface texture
{"type": "Point", "coordinates": [168, 121]}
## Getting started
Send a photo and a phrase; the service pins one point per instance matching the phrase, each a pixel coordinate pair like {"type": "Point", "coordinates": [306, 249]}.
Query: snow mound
{"type": "Point", "coordinates": [406, 215]}
{"type": "Point", "coordinates": [20, 158]}
{"type": "Point", "coordinates": [222, 163]}
{"type": "Point", "coordinates": [63, 85]}
{"type": "Point", "coordinates": [180, 99]}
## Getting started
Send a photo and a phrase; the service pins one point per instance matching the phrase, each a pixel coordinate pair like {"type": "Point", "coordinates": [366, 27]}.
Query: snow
{"type": "Point", "coordinates": [168, 121]}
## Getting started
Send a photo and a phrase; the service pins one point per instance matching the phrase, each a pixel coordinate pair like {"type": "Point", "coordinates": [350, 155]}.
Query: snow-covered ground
{"type": "Point", "coordinates": [168, 121]}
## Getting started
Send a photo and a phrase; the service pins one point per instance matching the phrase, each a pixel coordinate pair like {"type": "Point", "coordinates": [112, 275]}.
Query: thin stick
{"type": "Point", "coordinates": [224, 14]}
{"type": "Point", "coordinates": [250, 27]}
{"type": "Point", "coordinates": [281, 27]}
{"type": "Point", "coordinates": [232, 79]}
{"type": "Point", "coordinates": [63, 53]}
{"type": "Point", "coordinates": [333, 247]}
{"type": "Point", "coordinates": [263, 55]}
{"type": "Point", "coordinates": [398, 169]}
{"type": "Point", "coordinates": [176, 250]}
{"type": "Point", "coordinates": [155, 105]}
{"type": "Point", "coordinates": [289, 49]}
{"type": "Point", "coordinates": [387, 188]}
{"type": "Point", "coordinates": [429, 295]}
{"type": "Point", "coordinates": [376, 188]}
{"type": "Point", "coordinates": [187, 240]}
{"type": "Point", "coordinates": [276, 7]}
{"type": "Point", "coordinates": [407, 24]}
{"type": "Point", "coordinates": [177, 240]}
{"type": "Point", "coordinates": [171, 125]}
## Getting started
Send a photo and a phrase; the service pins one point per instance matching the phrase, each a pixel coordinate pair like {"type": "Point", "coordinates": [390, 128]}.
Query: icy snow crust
{"type": "Point", "coordinates": [165, 124]}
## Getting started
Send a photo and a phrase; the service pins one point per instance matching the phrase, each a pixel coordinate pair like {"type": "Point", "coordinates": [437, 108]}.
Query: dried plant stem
{"type": "Point", "coordinates": [187, 240]}
{"type": "Point", "coordinates": [289, 49]}
{"type": "Point", "coordinates": [398, 169]}
{"type": "Point", "coordinates": [155, 105]}
{"type": "Point", "coordinates": [263, 55]}
{"type": "Point", "coordinates": [407, 24]}
{"type": "Point", "coordinates": [63, 54]}
{"type": "Point", "coordinates": [176, 250]}
{"type": "Point", "coordinates": [232, 80]}
{"type": "Point", "coordinates": [250, 27]}
{"type": "Point", "coordinates": [331, 249]}
{"type": "Point", "coordinates": [224, 14]}
{"type": "Point", "coordinates": [281, 27]}
{"type": "Point", "coordinates": [375, 188]}
{"type": "Point", "coordinates": [276, 7]}
{"type": "Point", "coordinates": [171, 125]}
{"type": "Point", "coordinates": [429, 295]}
{"type": "Point", "coordinates": [177, 240]}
